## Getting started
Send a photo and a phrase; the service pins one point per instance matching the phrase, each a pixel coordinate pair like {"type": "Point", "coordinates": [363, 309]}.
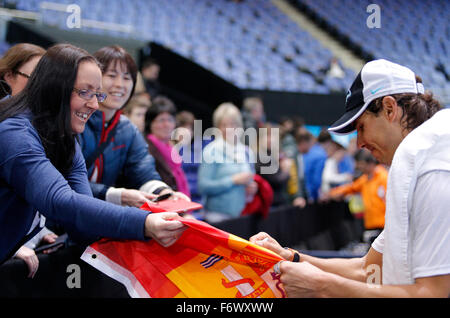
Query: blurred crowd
{"type": "Point", "coordinates": [310, 169]}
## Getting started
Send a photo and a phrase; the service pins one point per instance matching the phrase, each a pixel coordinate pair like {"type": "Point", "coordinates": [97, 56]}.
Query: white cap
{"type": "Point", "coordinates": [376, 79]}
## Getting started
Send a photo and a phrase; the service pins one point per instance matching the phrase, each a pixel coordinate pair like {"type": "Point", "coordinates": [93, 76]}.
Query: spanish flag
{"type": "Point", "coordinates": [205, 262]}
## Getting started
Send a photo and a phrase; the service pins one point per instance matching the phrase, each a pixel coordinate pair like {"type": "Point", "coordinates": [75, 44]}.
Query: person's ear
{"type": "Point", "coordinates": [391, 110]}
{"type": "Point", "coordinates": [9, 77]}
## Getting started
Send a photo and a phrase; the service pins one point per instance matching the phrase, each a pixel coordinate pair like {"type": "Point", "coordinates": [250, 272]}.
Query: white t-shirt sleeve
{"type": "Point", "coordinates": [378, 243]}
{"type": "Point", "coordinates": [430, 225]}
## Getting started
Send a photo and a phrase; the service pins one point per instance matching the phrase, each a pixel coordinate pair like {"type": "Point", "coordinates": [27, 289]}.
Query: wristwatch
{"type": "Point", "coordinates": [296, 255]}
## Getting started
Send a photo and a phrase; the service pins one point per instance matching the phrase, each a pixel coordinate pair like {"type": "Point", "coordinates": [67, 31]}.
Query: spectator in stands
{"type": "Point", "coordinates": [352, 147]}
{"type": "Point", "coordinates": [150, 72]}
{"type": "Point", "coordinates": [16, 67]}
{"type": "Point", "coordinates": [140, 101]}
{"type": "Point", "coordinates": [136, 109]}
{"type": "Point", "coordinates": [140, 90]}
{"type": "Point", "coordinates": [372, 186]}
{"type": "Point", "coordinates": [334, 69]}
{"type": "Point", "coordinates": [268, 148]}
{"type": "Point", "coordinates": [225, 177]}
{"type": "Point", "coordinates": [332, 176]}
{"type": "Point", "coordinates": [331, 143]}
{"type": "Point", "coordinates": [296, 185]}
{"type": "Point", "coordinates": [253, 114]}
{"type": "Point", "coordinates": [120, 168]}
{"type": "Point", "coordinates": [314, 162]}
{"type": "Point", "coordinates": [42, 170]}
{"type": "Point", "coordinates": [288, 130]}
{"type": "Point", "coordinates": [159, 126]}
{"type": "Point", "coordinates": [190, 151]}
{"type": "Point", "coordinates": [184, 119]}
{"type": "Point", "coordinates": [403, 127]}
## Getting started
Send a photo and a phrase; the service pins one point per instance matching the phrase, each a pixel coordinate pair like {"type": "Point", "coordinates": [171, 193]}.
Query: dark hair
{"type": "Point", "coordinates": [324, 136]}
{"type": "Point", "coordinates": [149, 62]}
{"type": "Point", "coordinates": [184, 118]}
{"type": "Point", "coordinates": [13, 59]}
{"type": "Point", "coordinates": [303, 135]}
{"type": "Point", "coordinates": [161, 104]}
{"type": "Point", "coordinates": [417, 108]}
{"type": "Point", "coordinates": [114, 54]}
{"type": "Point", "coordinates": [47, 95]}
{"type": "Point", "coordinates": [365, 155]}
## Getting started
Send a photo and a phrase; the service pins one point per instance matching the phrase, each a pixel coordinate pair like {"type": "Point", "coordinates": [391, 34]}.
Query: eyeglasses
{"type": "Point", "coordinates": [87, 94]}
{"type": "Point", "coordinates": [23, 74]}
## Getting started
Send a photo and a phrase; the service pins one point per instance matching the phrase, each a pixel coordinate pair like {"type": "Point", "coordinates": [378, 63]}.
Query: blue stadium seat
{"type": "Point", "coordinates": [254, 37]}
{"type": "Point", "coordinates": [414, 33]}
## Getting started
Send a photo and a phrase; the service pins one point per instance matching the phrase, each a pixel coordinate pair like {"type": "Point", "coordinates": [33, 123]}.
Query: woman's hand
{"type": "Point", "coordinates": [251, 189]}
{"type": "Point", "coordinates": [299, 202]}
{"type": "Point", "coordinates": [163, 228]}
{"type": "Point", "coordinates": [135, 198]}
{"type": "Point", "coordinates": [49, 239]}
{"type": "Point", "coordinates": [265, 240]}
{"type": "Point", "coordinates": [29, 257]}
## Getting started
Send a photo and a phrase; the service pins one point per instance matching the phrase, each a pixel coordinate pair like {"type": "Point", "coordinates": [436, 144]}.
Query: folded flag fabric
{"type": "Point", "coordinates": [205, 262]}
{"type": "Point", "coordinates": [177, 206]}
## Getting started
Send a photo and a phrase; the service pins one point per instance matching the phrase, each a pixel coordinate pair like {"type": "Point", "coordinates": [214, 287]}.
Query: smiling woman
{"type": "Point", "coordinates": [82, 103]}
{"type": "Point", "coordinates": [16, 66]}
{"type": "Point", "coordinates": [42, 170]}
{"type": "Point", "coordinates": [120, 168]}
{"type": "Point", "coordinates": [159, 125]}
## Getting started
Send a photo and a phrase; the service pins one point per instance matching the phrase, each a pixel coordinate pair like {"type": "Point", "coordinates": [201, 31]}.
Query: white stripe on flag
{"type": "Point", "coordinates": [115, 271]}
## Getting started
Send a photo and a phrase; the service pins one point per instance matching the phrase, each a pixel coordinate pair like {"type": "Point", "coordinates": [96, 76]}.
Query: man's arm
{"type": "Point", "coordinates": [354, 268]}
{"type": "Point", "coordinates": [359, 269]}
{"type": "Point", "coordinates": [359, 277]}
{"type": "Point", "coordinates": [337, 286]}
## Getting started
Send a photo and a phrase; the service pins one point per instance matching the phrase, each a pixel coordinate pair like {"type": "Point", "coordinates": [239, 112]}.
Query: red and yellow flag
{"type": "Point", "coordinates": [205, 262]}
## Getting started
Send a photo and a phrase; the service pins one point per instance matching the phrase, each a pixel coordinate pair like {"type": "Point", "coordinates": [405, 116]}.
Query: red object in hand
{"type": "Point", "coordinates": [178, 206]}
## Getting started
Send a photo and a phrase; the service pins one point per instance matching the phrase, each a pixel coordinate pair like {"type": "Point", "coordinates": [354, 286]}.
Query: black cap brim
{"type": "Point", "coordinates": [346, 124]}
{"type": "Point", "coordinates": [354, 107]}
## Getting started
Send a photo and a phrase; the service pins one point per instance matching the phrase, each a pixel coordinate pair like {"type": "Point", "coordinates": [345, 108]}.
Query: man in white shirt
{"type": "Point", "coordinates": [403, 127]}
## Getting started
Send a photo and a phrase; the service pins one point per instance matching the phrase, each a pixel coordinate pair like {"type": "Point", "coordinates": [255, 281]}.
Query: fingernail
{"type": "Point", "coordinates": [276, 268]}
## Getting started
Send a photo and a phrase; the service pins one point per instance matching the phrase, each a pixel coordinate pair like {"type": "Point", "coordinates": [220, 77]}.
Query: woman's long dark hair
{"type": "Point", "coordinates": [47, 95]}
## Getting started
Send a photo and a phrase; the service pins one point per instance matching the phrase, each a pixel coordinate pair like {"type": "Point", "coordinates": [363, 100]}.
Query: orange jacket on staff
{"type": "Point", "coordinates": [373, 192]}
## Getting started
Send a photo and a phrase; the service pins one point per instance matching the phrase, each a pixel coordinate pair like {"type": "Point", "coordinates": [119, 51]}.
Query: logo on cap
{"type": "Point", "coordinates": [373, 91]}
{"type": "Point", "coordinates": [349, 93]}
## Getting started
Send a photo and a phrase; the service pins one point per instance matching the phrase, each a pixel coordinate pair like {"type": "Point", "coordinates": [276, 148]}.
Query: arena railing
{"type": "Point", "coordinates": [63, 8]}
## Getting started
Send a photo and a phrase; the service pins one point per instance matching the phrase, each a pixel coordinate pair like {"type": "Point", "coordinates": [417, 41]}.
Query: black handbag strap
{"type": "Point", "coordinates": [99, 150]}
